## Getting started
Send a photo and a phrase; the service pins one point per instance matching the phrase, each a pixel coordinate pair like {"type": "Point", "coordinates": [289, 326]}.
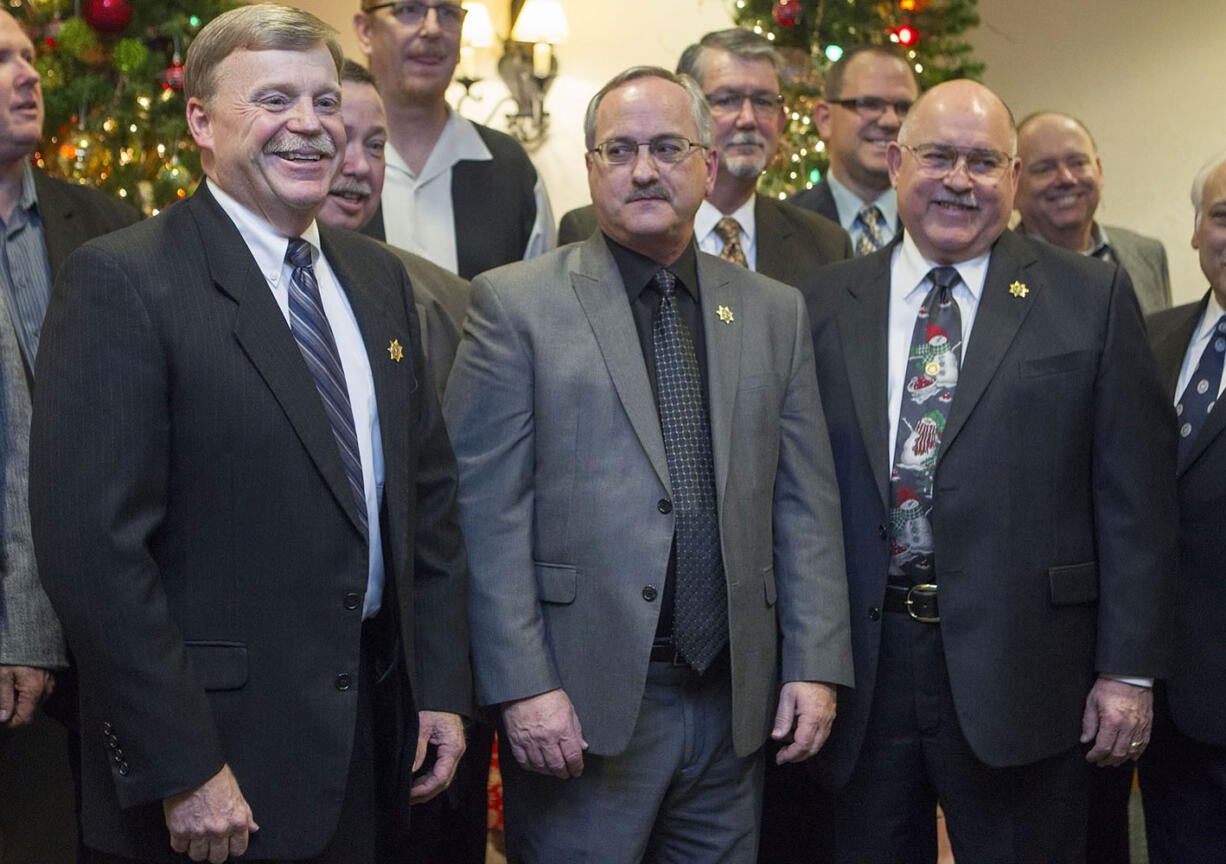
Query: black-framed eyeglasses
{"type": "Point", "coordinates": [666, 149]}
{"type": "Point", "coordinates": [412, 14]}
{"type": "Point", "coordinates": [940, 160]}
{"type": "Point", "coordinates": [872, 107]}
{"type": "Point", "coordinates": [763, 102]}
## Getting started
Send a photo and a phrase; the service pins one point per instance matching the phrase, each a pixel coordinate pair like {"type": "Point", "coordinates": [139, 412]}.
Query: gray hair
{"type": "Point", "coordinates": [740, 43]}
{"type": "Point", "coordinates": [1201, 180]}
{"type": "Point", "coordinates": [259, 27]}
{"type": "Point", "coordinates": [698, 103]}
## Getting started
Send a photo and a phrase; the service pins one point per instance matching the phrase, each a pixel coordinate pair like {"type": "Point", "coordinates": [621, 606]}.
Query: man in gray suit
{"type": "Point", "coordinates": [739, 73]}
{"type": "Point", "coordinates": [649, 503]}
{"type": "Point", "coordinates": [1058, 194]}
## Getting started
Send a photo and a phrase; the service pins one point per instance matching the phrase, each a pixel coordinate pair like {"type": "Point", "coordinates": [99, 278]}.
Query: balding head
{"type": "Point", "coordinates": [955, 172]}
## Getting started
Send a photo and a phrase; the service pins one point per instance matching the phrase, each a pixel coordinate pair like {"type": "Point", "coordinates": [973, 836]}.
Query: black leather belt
{"type": "Point", "coordinates": [918, 601]}
{"type": "Point", "coordinates": [666, 652]}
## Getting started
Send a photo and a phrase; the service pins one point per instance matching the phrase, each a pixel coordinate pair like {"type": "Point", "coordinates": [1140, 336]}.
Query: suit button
{"type": "Point", "coordinates": [106, 728]}
{"type": "Point", "coordinates": [112, 742]}
{"type": "Point", "coordinates": [874, 613]}
{"type": "Point", "coordinates": [664, 506]}
{"type": "Point", "coordinates": [343, 681]}
{"type": "Point", "coordinates": [882, 532]}
{"type": "Point", "coordinates": [119, 753]}
{"type": "Point", "coordinates": [352, 600]}
{"type": "Point", "coordinates": [123, 769]}
{"type": "Point", "coordinates": [650, 593]}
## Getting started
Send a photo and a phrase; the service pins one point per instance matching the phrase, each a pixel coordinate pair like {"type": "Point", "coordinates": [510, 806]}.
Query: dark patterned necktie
{"type": "Point", "coordinates": [729, 230]}
{"type": "Point", "coordinates": [928, 392]}
{"type": "Point", "coordinates": [700, 611]}
{"type": "Point", "coordinates": [1200, 394]}
{"type": "Point", "coordinates": [871, 237]}
{"type": "Point", "coordinates": [310, 327]}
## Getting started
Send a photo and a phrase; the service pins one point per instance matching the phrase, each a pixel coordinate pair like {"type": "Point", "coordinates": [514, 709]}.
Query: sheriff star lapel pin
{"type": "Point", "coordinates": [395, 351]}
{"type": "Point", "coordinates": [724, 314]}
{"type": "Point", "coordinates": [1019, 289]}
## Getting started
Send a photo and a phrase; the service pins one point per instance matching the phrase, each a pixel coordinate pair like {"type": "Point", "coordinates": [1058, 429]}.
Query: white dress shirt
{"type": "Point", "coordinates": [268, 246]}
{"type": "Point", "coordinates": [708, 241]}
{"type": "Point", "coordinates": [1200, 339]}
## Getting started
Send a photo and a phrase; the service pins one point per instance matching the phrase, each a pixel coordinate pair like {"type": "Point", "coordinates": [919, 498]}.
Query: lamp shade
{"type": "Point", "coordinates": [541, 21]}
{"type": "Point", "coordinates": [478, 28]}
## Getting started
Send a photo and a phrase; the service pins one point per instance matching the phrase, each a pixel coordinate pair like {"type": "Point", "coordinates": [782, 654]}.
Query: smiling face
{"type": "Point", "coordinates": [412, 65]}
{"type": "Point", "coordinates": [1061, 181]}
{"type": "Point", "coordinates": [955, 216]}
{"type": "Point", "coordinates": [21, 95]}
{"type": "Point", "coordinates": [1209, 238]}
{"type": "Point", "coordinates": [272, 135]}
{"type": "Point", "coordinates": [355, 192]}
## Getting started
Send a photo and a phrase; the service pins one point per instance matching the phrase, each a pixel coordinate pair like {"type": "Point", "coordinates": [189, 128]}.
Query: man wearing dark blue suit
{"type": "Point", "coordinates": [1183, 776]}
{"type": "Point", "coordinates": [243, 497]}
{"type": "Point", "coordinates": [1008, 511]}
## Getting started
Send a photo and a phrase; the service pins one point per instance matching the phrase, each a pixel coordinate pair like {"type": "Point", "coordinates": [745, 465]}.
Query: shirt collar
{"type": "Point", "coordinates": [912, 269]}
{"type": "Point", "coordinates": [1213, 311]}
{"type": "Point", "coordinates": [458, 142]}
{"type": "Point", "coordinates": [637, 270]}
{"type": "Point", "coordinates": [708, 216]}
{"type": "Point", "coordinates": [268, 245]}
{"type": "Point", "coordinates": [28, 199]}
{"type": "Point", "coordinates": [848, 204]}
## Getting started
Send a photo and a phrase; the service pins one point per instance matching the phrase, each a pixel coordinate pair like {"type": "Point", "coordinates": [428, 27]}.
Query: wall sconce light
{"type": "Point", "coordinates": [478, 33]}
{"type": "Point", "coordinates": [528, 66]}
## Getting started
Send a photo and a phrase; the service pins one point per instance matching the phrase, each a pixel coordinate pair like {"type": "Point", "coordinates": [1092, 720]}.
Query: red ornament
{"type": "Point", "coordinates": [787, 12]}
{"type": "Point", "coordinates": [172, 78]}
{"type": "Point", "coordinates": [906, 36]}
{"type": "Point", "coordinates": [108, 16]}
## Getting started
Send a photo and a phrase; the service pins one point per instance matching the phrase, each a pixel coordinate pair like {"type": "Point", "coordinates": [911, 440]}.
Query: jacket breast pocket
{"type": "Point", "coordinates": [1073, 584]}
{"type": "Point", "coordinates": [1055, 364]}
{"type": "Point", "coordinates": [555, 583]}
{"type": "Point", "coordinates": [220, 665]}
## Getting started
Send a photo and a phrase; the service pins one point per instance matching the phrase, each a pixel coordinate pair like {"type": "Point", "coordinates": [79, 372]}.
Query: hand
{"type": "Point", "coordinates": [21, 689]}
{"type": "Point", "coordinates": [1117, 716]}
{"type": "Point", "coordinates": [806, 712]}
{"type": "Point", "coordinates": [212, 821]}
{"type": "Point", "coordinates": [545, 735]}
{"type": "Point", "coordinates": [446, 732]}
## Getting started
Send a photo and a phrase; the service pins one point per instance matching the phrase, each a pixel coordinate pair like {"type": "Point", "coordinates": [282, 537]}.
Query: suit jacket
{"type": "Point", "coordinates": [1053, 510]}
{"type": "Point", "coordinates": [1199, 632]}
{"type": "Point", "coordinates": [564, 489]}
{"type": "Point", "coordinates": [29, 631]}
{"type": "Point", "coordinates": [198, 537]}
{"type": "Point", "coordinates": [791, 243]}
{"type": "Point", "coordinates": [1145, 260]}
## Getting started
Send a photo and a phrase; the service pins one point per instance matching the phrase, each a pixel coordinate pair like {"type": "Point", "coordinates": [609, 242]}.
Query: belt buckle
{"type": "Point", "coordinates": [923, 587]}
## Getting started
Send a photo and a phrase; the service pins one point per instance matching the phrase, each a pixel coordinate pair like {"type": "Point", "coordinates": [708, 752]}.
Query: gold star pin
{"type": "Point", "coordinates": [394, 349]}
{"type": "Point", "coordinates": [725, 314]}
{"type": "Point", "coordinates": [1019, 289]}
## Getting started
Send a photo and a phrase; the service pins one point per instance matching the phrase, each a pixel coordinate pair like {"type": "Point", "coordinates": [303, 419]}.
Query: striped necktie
{"type": "Point", "coordinates": [871, 238]}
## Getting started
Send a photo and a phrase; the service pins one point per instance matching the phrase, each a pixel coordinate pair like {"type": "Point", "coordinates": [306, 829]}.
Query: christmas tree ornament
{"type": "Point", "coordinates": [172, 78]}
{"type": "Point", "coordinates": [76, 39]}
{"type": "Point", "coordinates": [107, 16]}
{"type": "Point", "coordinates": [787, 13]}
{"type": "Point", "coordinates": [130, 56]}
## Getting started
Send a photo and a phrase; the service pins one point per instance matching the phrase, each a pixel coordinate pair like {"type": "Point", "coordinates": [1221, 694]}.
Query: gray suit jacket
{"type": "Point", "coordinates": [562, 470]}
{"type": "Point", "coordinates": [1145, 260]}
{"type": "Point", "coordinates": [29, 630]}
{"type": "Point", "coordinates": [792, 242]}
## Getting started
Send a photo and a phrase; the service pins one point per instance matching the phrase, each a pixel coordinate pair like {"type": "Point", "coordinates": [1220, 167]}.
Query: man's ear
{"type": "Point", "coordinates": [199, 123]}
{"type": "Point", "coordinates": [361, 28]}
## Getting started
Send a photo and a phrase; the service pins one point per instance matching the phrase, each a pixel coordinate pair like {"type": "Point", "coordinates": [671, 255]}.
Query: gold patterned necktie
{"type": "Point", "coordinates": [729, 230]}
{"type": "Point", "coordinates": [871, 238]}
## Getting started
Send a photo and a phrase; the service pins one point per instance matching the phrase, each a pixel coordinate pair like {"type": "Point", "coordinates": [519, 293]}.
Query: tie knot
{"type": "Point", "coordinates": [665, 281]}
{"type": "Point", "coordinates": [728, 229]}
{"type": "Point", "coordinates": [944, 278]}
{"type": "Point", "coordinates": [870, 216]}
{"type": "Point", "coordinates": [299, 253]}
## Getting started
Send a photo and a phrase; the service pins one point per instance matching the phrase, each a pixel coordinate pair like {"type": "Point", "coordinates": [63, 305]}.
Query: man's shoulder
{"type": "Point", "coordinates": [809, 221]}
{"type": "Point", "coordinates": [818, 199]}
{"type": "Point", "coordinates": [53, 190]}
{"type": "Point", "coordinates": [1168, 319]}
{"type": "Point", "coordinates": [1140, 244]}
{"type": "Point", "coordinates": [504, 148]}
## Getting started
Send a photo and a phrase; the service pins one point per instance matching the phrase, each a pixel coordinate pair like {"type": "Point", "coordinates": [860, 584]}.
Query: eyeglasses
{"type": "Point", "coordinates": [872, 107]}
{"type": "Point", "coordinates": [763, 103]}
{"type": "Point", "coordinates": [940, 160]}
{"type": "Point", "coordinates": [665, 149]}
{"type": "Point", "coordinates": [450, 15]}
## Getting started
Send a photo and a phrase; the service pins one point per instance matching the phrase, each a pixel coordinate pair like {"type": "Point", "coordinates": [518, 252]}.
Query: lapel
{"type": "Point", "coordinates": [717, 288]}
{"type": "Point", "coordinates": [602, 295]}
{"type": "Point", "coordinates": [62, 230]}
{"type": "Point", "coordinates": [266, 339]}
{"type": "Point", "coordinates": [997, 320]}
{"type": "Point", "coordinates": [863, 323]}
{"type": "Point", "coordinates": [774, 234]}
{"type": "Point", "coordinates": [1169, 353]}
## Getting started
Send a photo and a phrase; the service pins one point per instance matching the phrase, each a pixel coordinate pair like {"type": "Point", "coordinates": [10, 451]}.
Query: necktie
{"type": "Point", "coordinates": [1200, 395]}
{"type": "Point", "coordinates": [310, 327]}
{"type": "Point", "coordinates": [729, 230]}
{"type": "Point", "coordinates": [932, 376]}
{"type": "Point", "coordinates": [871, 238]}
{"type": "Point", "coordinates": [700, 611]}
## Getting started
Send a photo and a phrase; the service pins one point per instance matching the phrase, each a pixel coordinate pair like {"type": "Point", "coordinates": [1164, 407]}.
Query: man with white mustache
{"type": "Point", "coordinates": [738, 71]}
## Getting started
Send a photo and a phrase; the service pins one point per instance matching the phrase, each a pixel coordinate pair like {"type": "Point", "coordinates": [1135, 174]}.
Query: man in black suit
{"type": "Point", "coordinates": [867, 92]}
{"type": "Point", "coordinates": [1183, 776]}
{"type": "Point", "coordinates": [43, 219]}
{"type": "Point", "coordinates": [243, 497]}
{"type": "Point", "coordinates": [738, 72]}
{"type": "Point", "coordinates": [1008, 511]}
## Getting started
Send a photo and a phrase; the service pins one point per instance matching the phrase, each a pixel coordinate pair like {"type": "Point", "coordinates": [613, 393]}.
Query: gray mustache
{"type": "Point", "coordinates": [290, 142]}
{"type": "Point", "coordinates": [654, 190]}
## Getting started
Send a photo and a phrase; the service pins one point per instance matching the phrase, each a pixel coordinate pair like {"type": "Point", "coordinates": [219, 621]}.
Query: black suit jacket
{"type": "Point", "coordinates": [197, 535]}
{"type": "Point", "coordinates": [73, 213]}
{"type": "Point", "coordinates": [1194, 688]}
{"type": "Point", "coordinates": [791, 243]}
{"type": "Point", "coordinates": [1053, 507]}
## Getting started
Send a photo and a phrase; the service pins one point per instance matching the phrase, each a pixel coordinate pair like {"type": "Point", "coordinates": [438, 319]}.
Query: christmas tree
{"type": "Point", "coordinates": [811, 34]}
{"type": "Point", "coordinates": [112, 80]}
